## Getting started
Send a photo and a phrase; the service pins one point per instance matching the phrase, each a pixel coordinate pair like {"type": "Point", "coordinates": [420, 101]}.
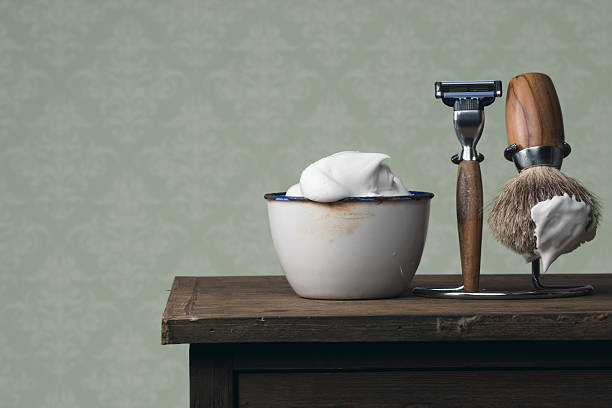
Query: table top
{"type": "Point", "coordinates": [245, 309]}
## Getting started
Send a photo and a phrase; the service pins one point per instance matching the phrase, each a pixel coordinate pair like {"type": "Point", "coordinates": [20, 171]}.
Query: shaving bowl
{"type": "Point", "coordinates": [355, 248]}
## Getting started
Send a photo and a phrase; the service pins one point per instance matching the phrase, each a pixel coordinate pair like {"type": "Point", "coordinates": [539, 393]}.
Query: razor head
{"type": "Point", "coordinates": [483, 91]}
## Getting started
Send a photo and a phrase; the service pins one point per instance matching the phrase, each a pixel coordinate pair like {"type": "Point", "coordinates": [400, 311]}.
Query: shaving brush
{"type": "Point", "coordinates": [534, 127]}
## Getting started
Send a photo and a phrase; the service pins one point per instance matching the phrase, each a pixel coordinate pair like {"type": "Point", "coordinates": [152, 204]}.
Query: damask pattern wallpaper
{"type": "Point", "coordinates": [137, 139]}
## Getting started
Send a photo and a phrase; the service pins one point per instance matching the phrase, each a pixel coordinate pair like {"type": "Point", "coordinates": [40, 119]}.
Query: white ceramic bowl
{"type": "Point", "coordinates": [356, 248]}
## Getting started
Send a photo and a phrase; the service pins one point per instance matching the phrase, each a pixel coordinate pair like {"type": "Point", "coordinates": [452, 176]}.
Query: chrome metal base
{"type": "Point", "coordinates": [541, 291]}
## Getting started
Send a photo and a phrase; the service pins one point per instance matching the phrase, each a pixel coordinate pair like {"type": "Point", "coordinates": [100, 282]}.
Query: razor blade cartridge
{"type": "Point", "coordinates": [484, 91]}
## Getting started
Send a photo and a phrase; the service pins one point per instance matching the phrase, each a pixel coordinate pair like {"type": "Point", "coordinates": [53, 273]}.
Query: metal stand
{"type": "Point", "coordinates": [541, 291]}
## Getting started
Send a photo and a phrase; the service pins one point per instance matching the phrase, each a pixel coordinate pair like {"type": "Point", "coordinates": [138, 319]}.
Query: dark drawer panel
{"type": "Point", "coordinates": [421, 389]}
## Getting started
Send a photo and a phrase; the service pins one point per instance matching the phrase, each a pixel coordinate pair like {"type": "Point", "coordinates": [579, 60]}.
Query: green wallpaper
{"type": "Point", "coordinates": [138, 137]}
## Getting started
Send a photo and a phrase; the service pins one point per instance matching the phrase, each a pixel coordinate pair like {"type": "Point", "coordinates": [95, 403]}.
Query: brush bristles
{"type": "Point", "coordinates": [510, 219]}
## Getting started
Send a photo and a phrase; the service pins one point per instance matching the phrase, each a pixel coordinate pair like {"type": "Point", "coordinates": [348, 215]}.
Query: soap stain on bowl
{"type": "Point", "coordinates": [341, 218]}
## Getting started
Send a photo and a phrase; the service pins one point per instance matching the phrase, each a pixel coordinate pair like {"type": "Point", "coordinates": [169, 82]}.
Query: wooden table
{"type": "Point", "coordinates": [254, 343]}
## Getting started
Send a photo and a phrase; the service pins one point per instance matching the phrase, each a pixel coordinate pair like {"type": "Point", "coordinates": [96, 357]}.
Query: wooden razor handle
{"type": "Point", "coordinates": [469, 222]}
{"type": "Point", "coordinates": [533, 113]}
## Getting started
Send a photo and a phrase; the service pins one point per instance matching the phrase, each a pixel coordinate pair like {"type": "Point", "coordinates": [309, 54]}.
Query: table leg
{"type": "Point", "coordinates": [211, 380]}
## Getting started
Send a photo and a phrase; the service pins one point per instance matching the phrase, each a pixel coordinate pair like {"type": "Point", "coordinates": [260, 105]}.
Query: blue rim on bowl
{"type": "Point", "coordinates": [412, 195]}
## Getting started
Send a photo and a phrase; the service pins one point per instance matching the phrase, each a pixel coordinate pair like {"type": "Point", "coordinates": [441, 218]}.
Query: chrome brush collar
{"type": "Point", "coordinates": [537, 156]}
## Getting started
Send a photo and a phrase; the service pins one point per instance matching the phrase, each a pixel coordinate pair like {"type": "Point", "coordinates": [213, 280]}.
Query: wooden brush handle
{"type": "Point", "coordinates": [533, 113]}
{"type": "Point", "coordinates": [469, 221]}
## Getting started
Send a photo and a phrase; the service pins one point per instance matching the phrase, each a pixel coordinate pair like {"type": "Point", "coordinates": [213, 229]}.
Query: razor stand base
{"type": "Point", "coordinates": [541, 291]}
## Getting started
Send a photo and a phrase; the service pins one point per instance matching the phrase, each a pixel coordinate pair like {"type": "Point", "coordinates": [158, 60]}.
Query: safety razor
{"type": "Point", "coordinates": [468, 100]}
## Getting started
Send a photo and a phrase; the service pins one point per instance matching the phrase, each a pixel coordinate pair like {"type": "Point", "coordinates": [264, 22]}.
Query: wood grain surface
{"type": "Point", "coordinates": [265, 309]}
{"type": "Point", "coordinates": [425, 389]}
{"type": "Point", "coordinates": [533, 113]}
{"type": "Point", "coordinates": [469, 222]}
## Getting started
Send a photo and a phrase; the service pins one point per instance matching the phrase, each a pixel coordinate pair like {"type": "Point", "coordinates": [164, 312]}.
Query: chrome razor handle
{"type": "Point", "coordinates": [469, 120]}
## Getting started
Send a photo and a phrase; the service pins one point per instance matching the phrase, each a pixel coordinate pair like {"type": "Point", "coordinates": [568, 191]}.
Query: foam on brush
{"type": "Point", "coordinates": [510, 219]}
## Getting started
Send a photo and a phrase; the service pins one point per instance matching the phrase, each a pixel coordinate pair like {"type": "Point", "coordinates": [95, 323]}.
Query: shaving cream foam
{"type": "Point", "coordinates": [347, 174]}
{"type": "Point", "coordinates": [562, 224]}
